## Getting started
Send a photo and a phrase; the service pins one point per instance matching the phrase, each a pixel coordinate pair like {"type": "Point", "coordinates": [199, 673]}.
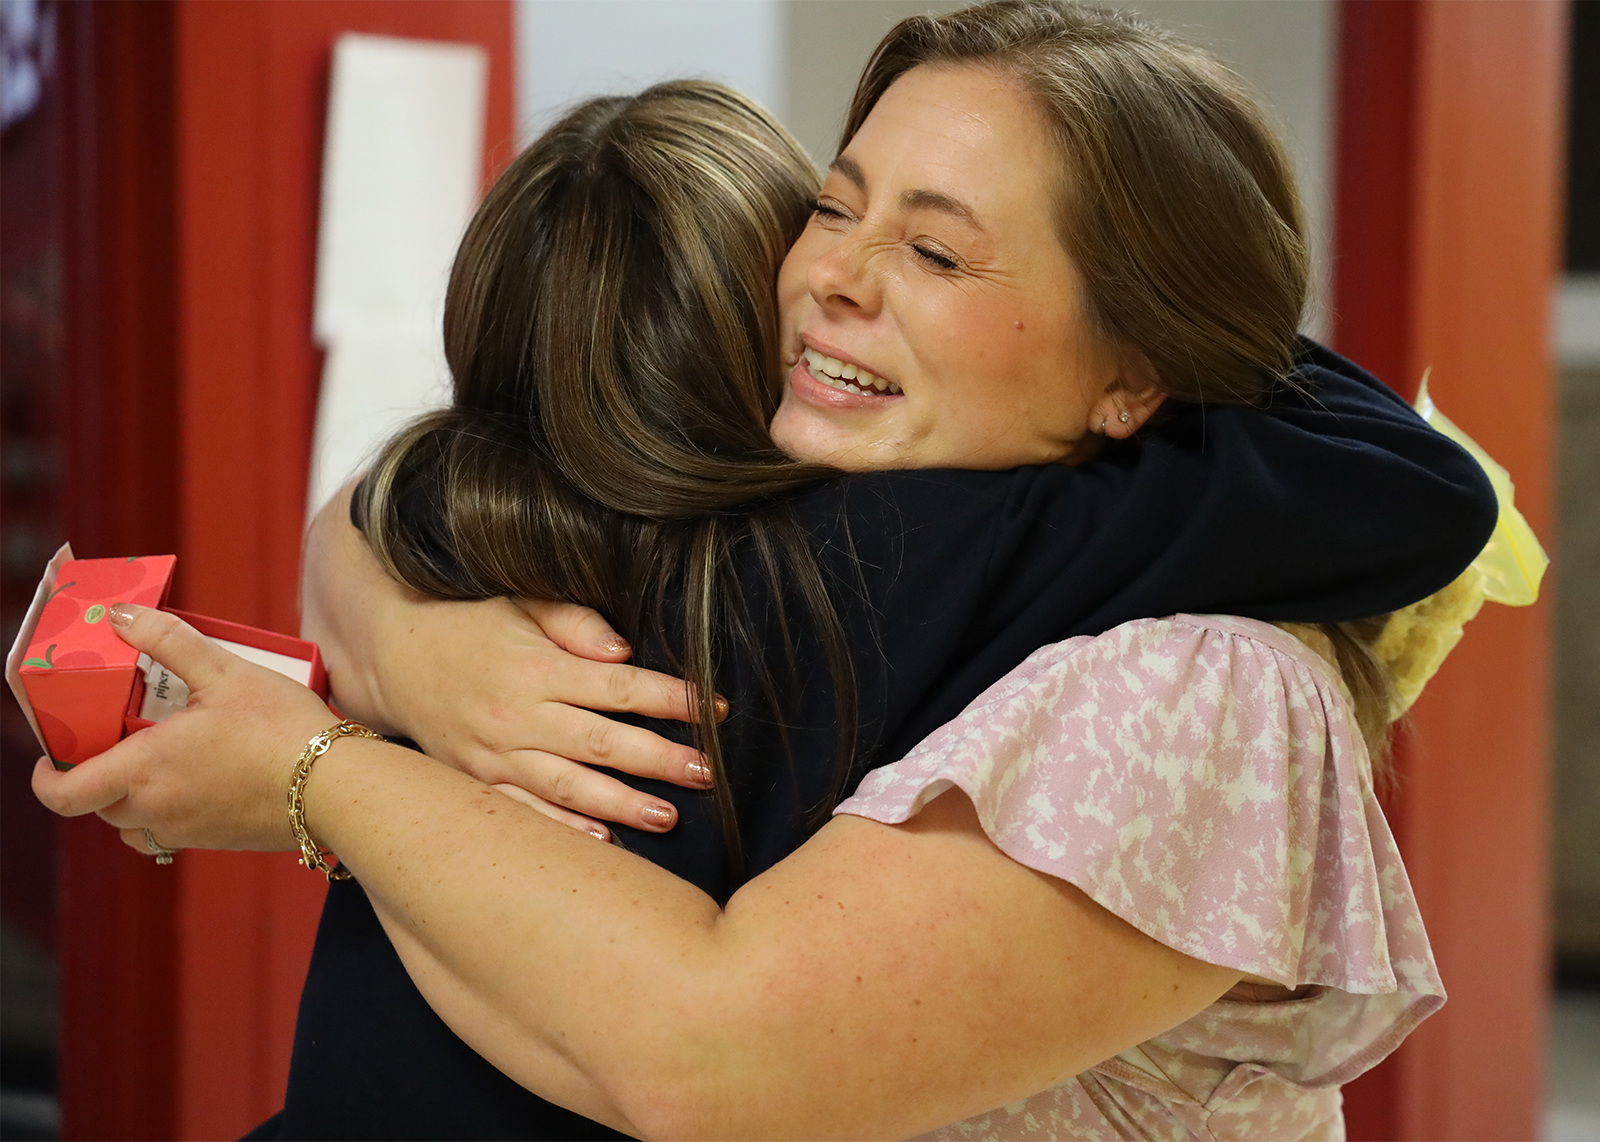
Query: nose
{"type": "Point", "coordinates": [842, 279]}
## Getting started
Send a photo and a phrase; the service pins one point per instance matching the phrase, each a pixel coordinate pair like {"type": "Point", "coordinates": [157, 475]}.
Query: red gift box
{"type": "Point", "coordinates": [83, 688]}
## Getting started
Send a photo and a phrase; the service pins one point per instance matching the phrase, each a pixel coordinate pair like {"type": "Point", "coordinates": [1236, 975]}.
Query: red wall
{"type": "Point", "coordinates": [1448, 219]}
{"type": "Point", "coordinates": [181, 994]}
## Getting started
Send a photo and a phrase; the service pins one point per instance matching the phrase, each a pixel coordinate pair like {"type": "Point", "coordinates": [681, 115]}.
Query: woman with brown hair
{"type": "Point", "coordinates": [892, 977]}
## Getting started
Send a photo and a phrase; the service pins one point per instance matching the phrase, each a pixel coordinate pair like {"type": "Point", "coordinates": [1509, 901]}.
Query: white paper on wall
{"type": "Point", "coordinates": [374, 379]}
{"type": "Point", "coordinates": [400, 176]}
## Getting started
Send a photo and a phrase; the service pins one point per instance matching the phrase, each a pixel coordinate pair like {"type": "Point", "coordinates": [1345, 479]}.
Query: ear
{"type": "Point", "coordinates": [1129, 400]}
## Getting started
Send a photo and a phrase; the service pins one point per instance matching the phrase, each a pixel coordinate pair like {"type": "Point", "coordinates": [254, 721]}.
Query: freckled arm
{"type": "Point", "coordinates": [881, 981]}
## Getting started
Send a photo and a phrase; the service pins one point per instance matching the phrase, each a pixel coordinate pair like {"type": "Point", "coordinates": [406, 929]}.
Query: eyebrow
{"type": "Point", "coordinates": [912, 199]}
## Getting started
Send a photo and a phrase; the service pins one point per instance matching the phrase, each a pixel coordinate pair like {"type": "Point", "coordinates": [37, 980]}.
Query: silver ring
{"type": "Point", "coordinates": [162, 855]}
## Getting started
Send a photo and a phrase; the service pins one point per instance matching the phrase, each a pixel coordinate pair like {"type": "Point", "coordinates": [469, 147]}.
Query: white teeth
{"type": "Point", "coordinates": [832, 371]}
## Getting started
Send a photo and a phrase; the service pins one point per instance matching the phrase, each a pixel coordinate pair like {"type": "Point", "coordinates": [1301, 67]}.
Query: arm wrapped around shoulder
{"type": "Point", "coordinates": [1350, 503]}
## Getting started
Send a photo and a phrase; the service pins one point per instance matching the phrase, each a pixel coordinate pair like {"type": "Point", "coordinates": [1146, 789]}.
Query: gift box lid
{"type": "Point", "coordinates": [82, 688]}
{"type": "Point", "coordinates": [77, 603]}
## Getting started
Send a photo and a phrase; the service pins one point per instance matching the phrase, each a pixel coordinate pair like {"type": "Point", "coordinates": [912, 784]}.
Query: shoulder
{"type": "Point", "coordinates": [935, 493]}
{"type": "Point", "coordinates": [1189, 676]}
{"type": "Point", "coordinates": [918, 521]}
{"type": "Point", "coordinates": [938, 492]}
{"type": "Point", "coordinates": [1203, 779]}
{"type": "Point", "coordinates": [1186, 772]}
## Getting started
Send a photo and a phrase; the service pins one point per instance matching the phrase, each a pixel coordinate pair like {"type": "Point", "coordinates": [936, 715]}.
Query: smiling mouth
{"type": "Point", "coordinates": [847, 378]}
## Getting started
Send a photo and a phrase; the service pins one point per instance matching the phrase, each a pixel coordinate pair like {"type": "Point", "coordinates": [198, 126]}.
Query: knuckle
{"type": "Point", "coordinates": [602, 739]}
{"type": "Point", "coordinates": [674, 759]}
{"type": "Point", "coordinates": [495, 721]}
{"type": "Point", "coordinates": [574, 613]}
{"type": "Point", "coordinates": [619, 687]}
{"type": "Point", "coordinates": [141, 783]}
{"type": "Point", "coordinates": [165, 629]}
{"type": "Point", "coordinates": [564, 788]}
{"type": "Point", "coordinates": [499, 727]}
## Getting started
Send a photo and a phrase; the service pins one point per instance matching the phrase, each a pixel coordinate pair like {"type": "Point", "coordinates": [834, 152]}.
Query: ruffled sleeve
{"type": "Point", "coordinates": [1203, 779]}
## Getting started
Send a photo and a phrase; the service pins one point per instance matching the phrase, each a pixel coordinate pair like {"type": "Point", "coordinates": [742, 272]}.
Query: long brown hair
{"type": "Point", "coordinates": [1176, 202]}
{"type": "Point", "coordinates": [611, 332]}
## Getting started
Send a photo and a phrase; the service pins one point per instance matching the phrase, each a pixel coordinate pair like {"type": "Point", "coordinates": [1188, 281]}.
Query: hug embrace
{"type": "Point", "coordinates": [1003, 580]}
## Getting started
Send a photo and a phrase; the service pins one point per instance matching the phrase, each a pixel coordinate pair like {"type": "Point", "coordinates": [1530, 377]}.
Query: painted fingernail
{"type": "Point", "coordinates": [122, 613]}
{"type": "Point", "coordinates": [599, 832]}
{"type": "Point", "coordinates": [720, 704]}
{"type": "Point", "coordinates": [658, 816]}
{"type": "Point", "coordinates": [615, 643]}
{"type": "Point", "coordinates": [698, 772]}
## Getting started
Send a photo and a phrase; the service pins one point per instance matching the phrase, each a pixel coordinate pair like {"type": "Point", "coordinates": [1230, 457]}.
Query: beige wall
{"type": "Point", "coordinates": [827, 43]}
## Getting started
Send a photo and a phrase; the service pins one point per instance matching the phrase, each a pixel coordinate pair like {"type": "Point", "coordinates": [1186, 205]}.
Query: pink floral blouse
{"type": "Point", "coordinates": [1203, 778]}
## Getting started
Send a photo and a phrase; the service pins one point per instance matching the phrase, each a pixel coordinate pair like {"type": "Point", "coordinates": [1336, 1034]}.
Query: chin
{"type": "Point", "coordinates": [802, 441]}
{"type": "Point", "coordinates": [809, 450]}
{"type": "Point", "coordinates": [811, 438]}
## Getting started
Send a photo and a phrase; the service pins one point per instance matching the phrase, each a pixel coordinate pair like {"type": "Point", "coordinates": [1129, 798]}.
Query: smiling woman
{"type": "Point", "coordinates": [1058, 903]}
{"type": "Point", "coordinates": [923, 268]}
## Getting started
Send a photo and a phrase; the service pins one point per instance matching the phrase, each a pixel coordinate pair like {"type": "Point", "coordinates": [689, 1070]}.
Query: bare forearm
{"type": "Point", "coordinates": [837, 995]}
{"type": "Point", "coordinates": [344, 593]}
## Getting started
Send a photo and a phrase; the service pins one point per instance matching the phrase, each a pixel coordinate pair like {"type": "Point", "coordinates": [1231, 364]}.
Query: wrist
{"type": "Point", "coordinates": [315, 856]}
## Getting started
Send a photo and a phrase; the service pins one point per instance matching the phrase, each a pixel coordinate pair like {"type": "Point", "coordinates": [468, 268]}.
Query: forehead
{"type": "Point", "coordinates": [968, 133]}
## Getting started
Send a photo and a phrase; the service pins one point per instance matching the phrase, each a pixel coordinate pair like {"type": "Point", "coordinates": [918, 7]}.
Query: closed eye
{"type": "Point", "coordinates": [935, 258]}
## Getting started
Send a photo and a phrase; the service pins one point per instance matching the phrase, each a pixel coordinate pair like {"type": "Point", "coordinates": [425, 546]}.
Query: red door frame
{"type": "Point", "coordinates": [116, 911]}
{"type": "Point", "coordinates": [199, 137]}
{"type": "Point", "coordinates": [1446, 251]}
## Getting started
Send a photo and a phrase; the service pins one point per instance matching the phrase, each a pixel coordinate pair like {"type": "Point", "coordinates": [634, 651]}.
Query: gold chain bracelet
{"type": "Point", "coordinates": [310, 855]}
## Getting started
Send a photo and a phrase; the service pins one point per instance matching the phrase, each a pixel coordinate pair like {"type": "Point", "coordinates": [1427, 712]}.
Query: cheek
{"type": "Point", "coordinates": [1006, 395]}
{"type": "Point", "coordinates": [792, 288]}
{"type": "Point", "coordinates": [788, 278]}
{"type": "Point", "coordinates": [981, 363]}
